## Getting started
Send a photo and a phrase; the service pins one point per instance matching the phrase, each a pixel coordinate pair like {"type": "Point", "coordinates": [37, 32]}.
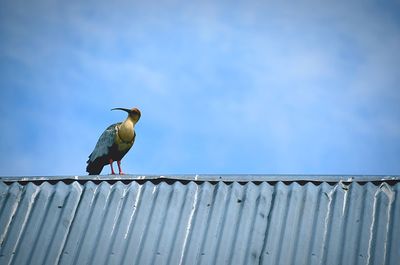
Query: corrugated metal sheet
{"type": "Point", "coordinates": [159, 222]}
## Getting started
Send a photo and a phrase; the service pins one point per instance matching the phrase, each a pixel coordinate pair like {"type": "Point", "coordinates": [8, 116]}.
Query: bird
{"type": "Point", "coordinates": [114, 143]}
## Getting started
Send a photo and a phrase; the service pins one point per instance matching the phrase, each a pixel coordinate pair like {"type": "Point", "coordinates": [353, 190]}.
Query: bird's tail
{"type": "Point", "coordinates": [94, 167]}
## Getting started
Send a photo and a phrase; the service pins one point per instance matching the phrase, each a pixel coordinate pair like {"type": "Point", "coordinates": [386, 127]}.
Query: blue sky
{"type": "Point", "coordinates": [268, 87]}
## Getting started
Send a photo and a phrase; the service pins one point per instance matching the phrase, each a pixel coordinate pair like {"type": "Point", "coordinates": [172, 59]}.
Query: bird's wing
{"type": "Point", "coordinates": [105, 141]}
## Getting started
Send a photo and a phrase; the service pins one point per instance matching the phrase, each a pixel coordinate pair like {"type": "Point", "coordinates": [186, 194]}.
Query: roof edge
{"type": "Point", "coordinates": [210, 177]}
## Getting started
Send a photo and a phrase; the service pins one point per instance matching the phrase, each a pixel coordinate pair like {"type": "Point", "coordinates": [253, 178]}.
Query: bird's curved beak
{"type": "Point", "coordinates": [127, 110]}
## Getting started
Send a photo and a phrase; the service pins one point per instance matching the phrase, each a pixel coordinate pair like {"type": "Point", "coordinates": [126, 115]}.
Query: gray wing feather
{"type": "Point", "coordinates": [105, 141]}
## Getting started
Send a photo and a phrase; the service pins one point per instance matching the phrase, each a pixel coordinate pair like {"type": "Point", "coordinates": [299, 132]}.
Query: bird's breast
{"type": "Point", "coordinates": [124, 136]}
{"type": "Point", "coordinates": [126, 131]}
{"type": "Point", "coordinates": [123, 146]}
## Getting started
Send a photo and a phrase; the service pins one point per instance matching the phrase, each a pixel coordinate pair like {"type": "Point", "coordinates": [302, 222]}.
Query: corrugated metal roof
{"type": "Point", "coordinates": [199, 222]}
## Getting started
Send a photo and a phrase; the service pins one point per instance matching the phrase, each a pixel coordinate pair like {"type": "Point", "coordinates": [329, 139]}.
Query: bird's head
{"type": "Point", "coordinates": [134, 113]}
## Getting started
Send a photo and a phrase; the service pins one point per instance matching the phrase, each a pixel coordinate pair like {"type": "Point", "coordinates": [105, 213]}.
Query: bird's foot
{"type": "Point", "coordinates": [111, 165]}
{"type": "Point", "coordinates": [119, 168]}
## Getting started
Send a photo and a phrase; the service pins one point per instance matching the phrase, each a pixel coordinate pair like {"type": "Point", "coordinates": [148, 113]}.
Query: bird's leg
{"type": "Point", "coordinates": [112, 169]}
{"type": "Point", "coordinates": [119, 167]}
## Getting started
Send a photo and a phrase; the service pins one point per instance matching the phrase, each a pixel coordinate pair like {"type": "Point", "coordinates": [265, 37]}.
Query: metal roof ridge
{"type": "Point", "coordinates": [211, 177]}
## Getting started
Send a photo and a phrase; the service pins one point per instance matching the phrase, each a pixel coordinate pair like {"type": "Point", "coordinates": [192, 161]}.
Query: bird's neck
{"type": "Point", "coordinates": [126, 130]}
